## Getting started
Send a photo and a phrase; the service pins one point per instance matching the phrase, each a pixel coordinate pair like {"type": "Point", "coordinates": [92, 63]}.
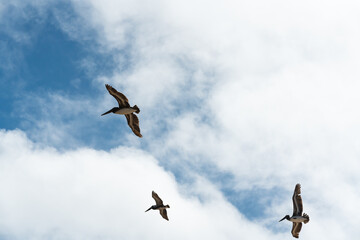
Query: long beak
{"type": "Point", "coordinates": [106, 112]}
{"type": "Point", "coordinates": [282, 219]}
{"type": "Point", "coordinates": [148, 209]}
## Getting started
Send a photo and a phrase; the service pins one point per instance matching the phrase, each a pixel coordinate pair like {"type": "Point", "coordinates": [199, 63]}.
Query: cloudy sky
{"type": "Point", "coordinates": [240, 100]}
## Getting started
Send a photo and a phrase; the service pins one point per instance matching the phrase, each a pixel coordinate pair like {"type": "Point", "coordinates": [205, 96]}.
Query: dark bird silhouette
{"type": "Point", "coordinates": [159, 206]}
{"type": "Point", "coordinates": [125, 109]}
{"type": "Point", "coordinates": [298, 217]}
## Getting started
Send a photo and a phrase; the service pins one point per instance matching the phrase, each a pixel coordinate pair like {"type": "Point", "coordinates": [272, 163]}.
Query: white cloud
{"type": "Point", "coordinates": [281, 100]}
{"type": "Point", "coordinates": [88, 194]}
{"type": "Point", "coordinates": [265, 91]}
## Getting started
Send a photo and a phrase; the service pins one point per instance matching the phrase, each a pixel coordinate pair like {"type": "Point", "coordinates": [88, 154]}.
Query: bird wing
{"type": "Point", "coordinates": [120, 98]}
{"type": "Point", "coordinates": [296, 229]}
{"type": "Point", "coordinates": [133, 122]}
{"type": "Point", "coordinates": [163, 213]}
{"type": "Point", "coordinates": [157, 198]}
{"type": "Point", "coordinates": [297, 201]}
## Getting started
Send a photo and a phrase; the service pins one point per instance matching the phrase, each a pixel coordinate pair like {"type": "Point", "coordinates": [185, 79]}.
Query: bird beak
{"type": "Point", "coordinates": [106, 112]}
{"type": "Point", "coordinates": [148, 209]}
{"type": "Point", "coordinates": [282, 219]}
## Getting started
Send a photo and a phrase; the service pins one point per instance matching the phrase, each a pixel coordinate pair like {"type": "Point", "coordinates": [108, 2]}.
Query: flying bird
{"type": "Point", "coordinates": [125, 109]}
{"type": "Point", "coordinates": [298, 217]}
{"type": "Point", "coordinates": [159, 206]}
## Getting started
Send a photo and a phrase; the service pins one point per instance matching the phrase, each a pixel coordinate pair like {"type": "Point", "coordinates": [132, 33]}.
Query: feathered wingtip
{"type": "Point", "coordinates": [137, 108]}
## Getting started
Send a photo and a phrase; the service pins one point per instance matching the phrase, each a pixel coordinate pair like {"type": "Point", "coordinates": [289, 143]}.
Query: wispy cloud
{"type": "Point", "coordinates": [262, 92]}
{"type": "Point", "coordinates": [282, 92]}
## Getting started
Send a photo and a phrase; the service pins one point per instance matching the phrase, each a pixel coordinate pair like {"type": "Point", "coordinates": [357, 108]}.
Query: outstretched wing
{"type": "Point", "coordinates": [120, 98]}
{"type": "Point", "coordinates": [296, 229]}
{"type": "Point", "coordinates": [297, 201]}
{"type": "Point", "coordinates": [157, 199]}
{"type": "Point", "coordinates": [133, 123]}
{"type": "Point", "coordinates": [163, 213]}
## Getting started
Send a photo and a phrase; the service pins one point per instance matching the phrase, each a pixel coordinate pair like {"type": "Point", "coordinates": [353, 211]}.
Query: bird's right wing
{"type": "Point", "coordinates": [133, 122]}
{"type": "Point", "coordinates": [163, 213]}
{"type": "Point", "coordinates": [296, 229]}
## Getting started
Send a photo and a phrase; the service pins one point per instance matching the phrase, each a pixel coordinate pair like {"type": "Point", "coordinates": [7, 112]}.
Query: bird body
{"type": "Point", "coordinates": [124, 109]}
{"type": "Point", "coordinates": [156, 207]}
{"type": "Point", "coordinates": [298, 217]}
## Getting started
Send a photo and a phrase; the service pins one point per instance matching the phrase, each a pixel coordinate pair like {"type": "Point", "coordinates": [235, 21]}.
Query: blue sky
{"type": "Point", "coordinates": [48, 62]}
{"type": "Point", "coordinates": [239, 102]}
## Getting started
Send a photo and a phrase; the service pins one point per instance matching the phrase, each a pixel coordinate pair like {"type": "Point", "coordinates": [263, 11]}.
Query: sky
{"type": "Point", "coordinates": [239, 101]}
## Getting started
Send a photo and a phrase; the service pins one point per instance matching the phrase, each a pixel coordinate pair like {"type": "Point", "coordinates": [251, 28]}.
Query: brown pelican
{"type": "Point", "coordinates": [125, 109]}
{"type": "Point", "coordinates": [297, 217]}
{"type": "Point", "coordinates": [159, 206]}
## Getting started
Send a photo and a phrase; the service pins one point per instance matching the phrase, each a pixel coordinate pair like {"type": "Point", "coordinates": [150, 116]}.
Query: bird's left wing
{"type": "Point", "coordinates": [157, 198]}
{"type": "Point", "coordinates": [120, 98]}
{"type": "Point", "coordinates": [297, 201]}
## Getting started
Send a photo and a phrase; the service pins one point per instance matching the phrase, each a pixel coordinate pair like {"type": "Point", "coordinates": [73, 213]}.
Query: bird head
{"type": "Point", "coordinates": [111, 110]}
{"type": "Point", "coordinates": [287, 217]}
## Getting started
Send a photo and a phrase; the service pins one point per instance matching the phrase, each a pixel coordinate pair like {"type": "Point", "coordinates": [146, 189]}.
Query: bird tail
{"type": "Point", "coordinates": [307, 218]}
{"type": "Point", "coordinates": [137, 108]}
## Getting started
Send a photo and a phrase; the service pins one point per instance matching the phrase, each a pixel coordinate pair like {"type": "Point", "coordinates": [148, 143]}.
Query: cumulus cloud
{"type": "Point", "coordinates": [263, 91]}
{"type": "Point", "coordinates": [88, 194]}
{"type": "Point", "coordinates": [280, 101]}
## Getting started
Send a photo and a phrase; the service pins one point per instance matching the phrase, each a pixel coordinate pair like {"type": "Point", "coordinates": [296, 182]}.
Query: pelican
{"type": "Point", "coordinates": [297, 218]}
{"type": "Point", "coordinates": [159, 206]}
{"type": "Point", "coordinates": [125, 109]}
